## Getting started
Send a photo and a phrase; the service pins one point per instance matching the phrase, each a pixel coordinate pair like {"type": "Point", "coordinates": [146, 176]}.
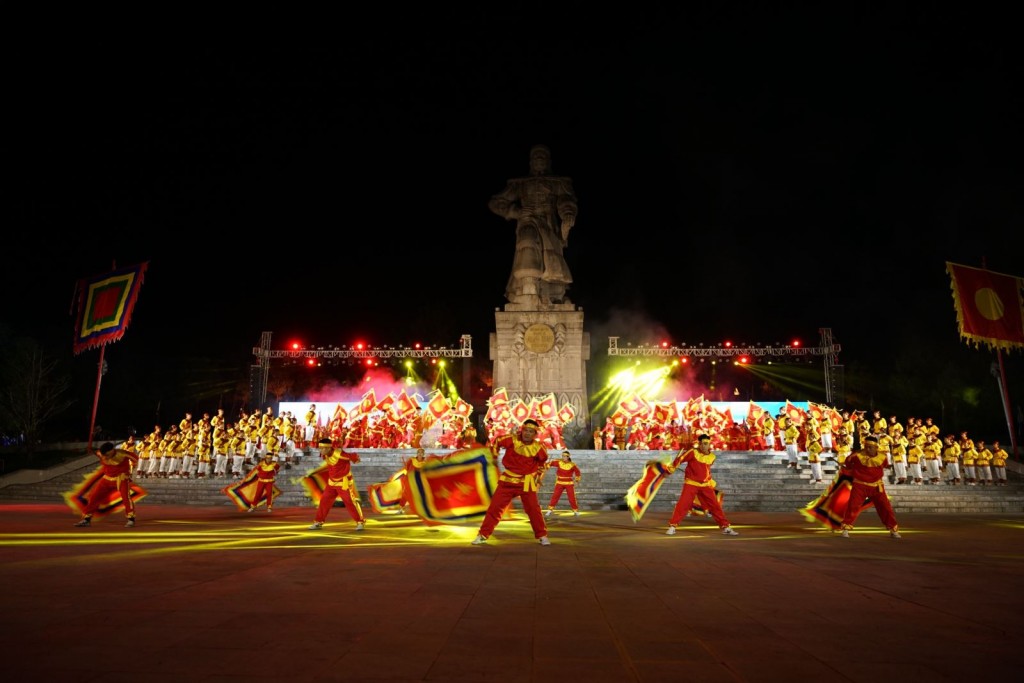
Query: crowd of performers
{"type": "Point", "coordinates": [213, 447]}
{"type": "Point", "coordinates": [916, 452]}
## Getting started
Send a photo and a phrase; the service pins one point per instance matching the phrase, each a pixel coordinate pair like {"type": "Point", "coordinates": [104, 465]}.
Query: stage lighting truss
{"type": "Point", "coordinates": [828, 348]}
{"type": "Point", "coordinates": [264, 354]}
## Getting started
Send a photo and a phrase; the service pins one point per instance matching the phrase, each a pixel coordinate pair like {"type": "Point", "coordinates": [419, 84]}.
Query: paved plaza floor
{"type": "Point", "coordinates": [213, 594]}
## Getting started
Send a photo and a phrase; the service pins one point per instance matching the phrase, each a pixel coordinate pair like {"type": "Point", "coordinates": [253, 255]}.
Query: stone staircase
{"type": "Point", "coordinates": [751, 481]}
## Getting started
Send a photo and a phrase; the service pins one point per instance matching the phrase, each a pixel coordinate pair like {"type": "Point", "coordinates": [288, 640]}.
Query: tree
{"type": "Point", "coordinates": [32, 390]}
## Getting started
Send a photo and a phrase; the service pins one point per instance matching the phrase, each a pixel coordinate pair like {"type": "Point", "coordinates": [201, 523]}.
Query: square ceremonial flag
{"type": "Point", "coordinates": [404, 405]}
{"type": "Point", "coordinates": [520, 411]}
{"type": "Point", "coordinates": [619, 418]}
{"type": "Point", "coordinates": [78, 498]}
{"type": "Point", "coordinates": [566, 413]}
{"type": "Point", "coordinates": [499, 397]}
{"type": "Point", "coordinates": [544, 408]}
{"type": "Point", "coordinates": [641, 494]}
{"type": "Point", "coordinates": [385, 403]}
{"type": "Point", "coordinates": [387, 494]}
{"type": "Point", "coordinates": [242, 493]}
{"type": "Point", "coordinates": [498, 413]}
{"type": "Point", "coordinates": [313, 482]}
{"type": "Point", "coordinates": [635, 406]}
{"type": "Point", "coordinates": [692, 409]}
{"type": "Point", "coordinates": [368, 402]}
{"type": "Point", "coordinates": [454, 488]}
{"type": "Point", "coordinates": [989, 308]}
{"type": "Point", "coordinates": [830, 507]}
{"type": "Point", "coordinates": [794, 413]}
{"type": "Point", "coordinates": [105, 305]}
{"type": "Point", "coordinates": [755, 413]}
{"type": "Point", "coordinates": [438, 405]}
{"type": "Point", "coordinates": [462, 408]}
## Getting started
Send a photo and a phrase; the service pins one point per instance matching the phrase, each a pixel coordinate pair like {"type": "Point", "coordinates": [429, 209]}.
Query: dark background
{"type": "Point", "coordinates": [743, 172]}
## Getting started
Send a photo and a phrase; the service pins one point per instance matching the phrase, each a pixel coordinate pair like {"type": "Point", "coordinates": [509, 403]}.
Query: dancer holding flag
{"type": "Point", "coordinates": [523, 464]}
{"type": "Point", "coordinates": [698, 484]}
{"type": "Point", "coordinates": [340, 483]}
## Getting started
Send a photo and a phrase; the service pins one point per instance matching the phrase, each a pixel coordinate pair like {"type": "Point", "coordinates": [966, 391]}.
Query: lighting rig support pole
{"type": "Point", "coordinates": [264, 360]}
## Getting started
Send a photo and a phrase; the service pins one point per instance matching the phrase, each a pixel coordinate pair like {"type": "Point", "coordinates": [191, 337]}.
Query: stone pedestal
{"type": "Point", "coordinates": [541, 349]}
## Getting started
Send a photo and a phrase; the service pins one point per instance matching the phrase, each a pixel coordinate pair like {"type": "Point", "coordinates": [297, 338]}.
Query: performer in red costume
{"type": "Point", "coordinates": [117, 469]}
{"type": "Point", "coordinates": [867, 467]}
{"type": "Point", "coordinates": [567, 475]}
{"type": "Point", "coordinates": [266, 475]}
{"type": "Point", "coordinates": [523, 464]}
{"type": "Point", "coordinates": [698, 484]}
{"type": "Point", "coordinates": [340, 483]}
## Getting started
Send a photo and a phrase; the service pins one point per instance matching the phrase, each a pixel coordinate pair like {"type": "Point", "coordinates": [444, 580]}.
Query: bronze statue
{"type": "Point", "coordinates": [544, 208]}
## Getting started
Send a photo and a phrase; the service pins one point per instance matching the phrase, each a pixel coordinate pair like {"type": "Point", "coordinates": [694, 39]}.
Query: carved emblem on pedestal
{"type": "Point", "coordinates": [539, 338]}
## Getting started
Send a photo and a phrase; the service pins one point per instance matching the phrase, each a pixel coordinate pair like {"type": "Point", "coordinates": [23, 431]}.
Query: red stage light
{"type": "Point", "coordinates": [684, 360]}
{"type": "Point", "coordinates": [311, 362]}
{"type": "Point", "coordinates": [295, 346]}
{"type": "Point", "coordinates": [359, 346]}
{"type": "Point", "coordinates": [727, 344]}
{"type": "Point", "coordinates": [744, 360]}
{"type": "Point", "coordinates": [796, 343]}
{"type": "Point", "coordinates": [664, 344]}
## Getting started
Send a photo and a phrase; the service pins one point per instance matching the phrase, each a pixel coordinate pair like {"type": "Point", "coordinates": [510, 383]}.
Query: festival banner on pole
{"type": "Point", "coordinates": [989, 308]}
{"type": "Point", "coordinates": [105, 305]}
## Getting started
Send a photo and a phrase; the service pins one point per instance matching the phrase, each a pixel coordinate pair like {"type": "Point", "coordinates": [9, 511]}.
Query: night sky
{"type": "Point", "coordinates": [752, 174]}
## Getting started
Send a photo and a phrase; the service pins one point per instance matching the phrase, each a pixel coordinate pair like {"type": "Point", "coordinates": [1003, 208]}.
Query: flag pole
{"type": "Point", "coordinates": [1006, 402]}
{"type": "Point", "coordinates": [99, 379]}
{"type": "Point", "coordinates": [1004, 393]}
{"type": "Point", "coordinates": [96, 398]}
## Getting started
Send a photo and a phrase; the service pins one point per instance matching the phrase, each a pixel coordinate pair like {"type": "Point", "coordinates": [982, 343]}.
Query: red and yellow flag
{"type": "Point", "coordinates": [754, 412]}
{"type": "Point", "coordinates": [635, 406]}
{"type": "Point", "coordinates": [438, 405]}
{"type": "Point", "coordinates": [989, 308]}
{"type": "Point", "coordinates": [641, 494]}
{"type": "Point", "coordinates": [544, 408]}
{"type": "Point", "coordinates": [368, 403]}
{"type": "Point", "coordinates": [462, 408]}
{"type": "Point", "coordinates": [385, 403]}
{"type": "Point", "coordinates": [520, 411]}
{"type": "Point", "coordinates": [404, 405]}
{"type": "Point", "coordinates": [78, 498]}
{"type": "Point", "coordinates": [692, 409]}
{"type": "Point", "coordinates": [794, 413]}
{"type": "Point", "coordinates": [387, 494]}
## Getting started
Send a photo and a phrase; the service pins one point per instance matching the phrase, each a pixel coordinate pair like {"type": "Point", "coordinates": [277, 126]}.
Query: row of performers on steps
{"type": "Point", "coordinates": [649, 436]}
